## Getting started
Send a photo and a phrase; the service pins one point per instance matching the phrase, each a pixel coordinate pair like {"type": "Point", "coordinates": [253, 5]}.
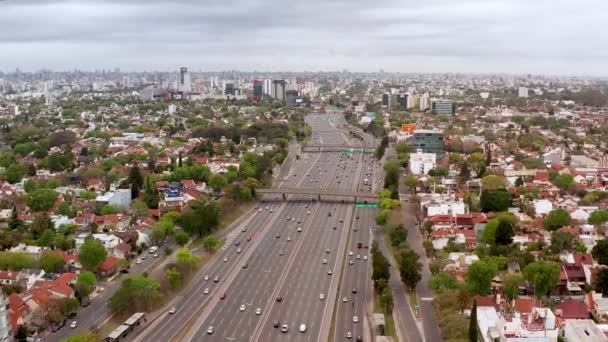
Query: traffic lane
{"type": "Point", "coordinates": [355, 277]}
{"type": "Point", "coordinates": [259, 272]}
{"type": "Point", "coordinates": [194, 295]}
{"type": "Point", "coordinates": [224, 314]}
{"type": "Point", "coordinates": [284, 311]}
{"type": "Point", "coordinates": [300, 293]}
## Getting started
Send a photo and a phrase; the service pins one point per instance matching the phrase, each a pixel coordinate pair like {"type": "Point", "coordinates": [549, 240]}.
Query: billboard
{"type": "Point", "coordinates": [408, 128]}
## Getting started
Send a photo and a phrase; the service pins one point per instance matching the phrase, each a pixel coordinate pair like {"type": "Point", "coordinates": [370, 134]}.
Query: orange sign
{"type": "Point", "coordinates": [409, 128]}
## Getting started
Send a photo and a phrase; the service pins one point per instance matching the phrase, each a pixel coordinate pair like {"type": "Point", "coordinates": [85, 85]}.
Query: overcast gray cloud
{"type": "Point", "coordinates": [517, 36]}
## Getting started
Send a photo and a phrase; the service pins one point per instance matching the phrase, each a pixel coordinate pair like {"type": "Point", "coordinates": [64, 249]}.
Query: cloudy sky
{"type": "Point", "coordinates": [563, 37]}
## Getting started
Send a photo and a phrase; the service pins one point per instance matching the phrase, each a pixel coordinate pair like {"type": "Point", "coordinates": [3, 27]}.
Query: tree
{"type": "Point", "coordinates": [386, 299]}
{"type": "Point", "coordinates": [159, 232]}
{"type": "Point", "coordinates": [41, 199]}
{"type": "Point", "coordinates": [544, 275]}
{"type": "Point", "coordinates": [562, 241]}
{"type": "Point", "coordinates": [200, 218]}
{"type": "Point", "coordinates": [495, 200]}
{"type": "Point", "coordinates": [493, 182]}
{"type": "Point", "coordinates": [442, 281]}
{"type": "Point", "coordinates": [601, 281]}
{"type": "Point", "coordinates": [88, 195]}
{"type": "Point", "coordinates": [397, 235]}
{"type": "Point", "coordinates": [511, 286]}
{"type": "Point", "coordinates": [480, 274]}
{"type": "Point", "coordinates": [140, 209]}
{"type": "Point", "coordinates": [41, 224]}
{"type": "Point", "coordinates": [598, 218]}
{"type": "Point", "coordinates": [465, 172]}
{"type": "Point", "coordinates": [51, 262]}
{"type": "Point", "coordinates": [217, 181]}
{"type": "Point", "coordinates": [409, 268]}
{"type": "Point", "coordinates": [14, 173]}
{"type": "Point", "coordinates": [473, 334]}
{"type": "Point", "coordinates": [173, 277]}
{"type": "Point", "coordinates": [380, 270]}
{"type": "Point", "coordinates": [564, 181]}
{"type": "Point", "coordinates": [135, 176]}
{"type": "Point", "coordinates": [556, 219]}
{"type": "Point", "coordinates": [211, 243]}
{"type": "Point", "coordinates": [108, 209]}
{"type": "Point", "coordinates": [83, 337]}
{"type": "Point", "coordinates": [69, 306]}
{"type": "Point", "coordinates": [15, 261]}
{"type": "Point", "coordinates": [136, 292]}
{"type": "Point", "coordinates": [410, 181]}
{"type": "Point", "coordinates": [182, 238]}
{"type": "Point", "coordinates": [85, 283]}
{"type": "Point", "coordinates": [519, 181]}
{"type": "Point", "coordinates": [600, 252]}
{"type": "Point", "coordinates": [15, 222]}
{"type": "Point", "coordinates": [504, 233]}
{"type": "Point", "coordinates": [489, 232]}
{"type": "Point", "coordinates": [92, 254]}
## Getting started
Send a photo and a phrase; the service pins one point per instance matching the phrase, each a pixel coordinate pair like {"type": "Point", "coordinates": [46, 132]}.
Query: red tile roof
{"type": "Point", "coordinates": [573, 309]}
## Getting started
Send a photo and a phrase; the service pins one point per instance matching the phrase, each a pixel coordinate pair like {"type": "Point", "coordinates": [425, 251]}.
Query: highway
{"type": "Point", "coordinates": [290, 259]}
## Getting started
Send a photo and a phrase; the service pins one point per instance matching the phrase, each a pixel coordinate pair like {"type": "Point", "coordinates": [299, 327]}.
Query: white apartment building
{"type": "Point", "coordinates": [421, 163]}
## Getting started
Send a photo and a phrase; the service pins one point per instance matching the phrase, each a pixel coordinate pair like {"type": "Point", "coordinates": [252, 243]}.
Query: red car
{"type": "Point", "coordinates": [223, 296]}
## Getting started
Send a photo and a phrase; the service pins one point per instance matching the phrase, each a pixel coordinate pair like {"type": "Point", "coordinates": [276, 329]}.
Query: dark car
{"type": "Point", "coordinates": [276, 324]}
{"type": "Point", "coordinates": [279, 299]}
{"type": "Point", "coordinates": [223, 296]}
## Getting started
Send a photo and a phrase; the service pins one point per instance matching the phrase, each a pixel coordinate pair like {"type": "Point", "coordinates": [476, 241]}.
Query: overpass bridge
{"type": "Point", "coordinates": [334, 148]}
{"type": "Point", "coordinates": [316, 192]}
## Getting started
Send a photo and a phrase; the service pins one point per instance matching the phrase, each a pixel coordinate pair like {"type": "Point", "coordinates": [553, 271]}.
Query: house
{"type": "Point", "coordinates": [117, 198]}
{"type": "Point", "coordinates": [576, 330]}
{"type": "Point", "coordinates": [572, 309]}
{"type": "Point", "coordinates": [537, 325]}
{"type": "Point", "coordinates": [108, 267]}
{"type": "Point", "coordinates": [110, 242]}
{"type": "Point", "coordinates": [9, 277]}
{"type": "Point", "coordinates": [542, 206]}
{"type": "Point", "coordinates": [32, 251]}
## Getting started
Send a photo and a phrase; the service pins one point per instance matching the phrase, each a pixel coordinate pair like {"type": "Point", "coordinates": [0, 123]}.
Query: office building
{"type": "Point", "coordinates": [424, 102]}
{"type": "Point", "coordinates": [402, 100]}
{"type": "Point", "coordinates": [258, 90]}
{"type": "Point", "coordinates": [5, 327]}
{"type": "Point", "coordinates": [292, 98]}
{"type": "Point", "coordinates": [412, 101]}
{"type": "Point", "coordinates": [184, 84]}
{"type": "Point", "coordinates": [229, 89]}
{"type": "Point", "coordinates": [523, 92]}
{"type": "Point", "coordinates": [421, 163]}
{"type": "Point", "coordinates": [278, 90]}
{"type": "Point", "coordinates": [428, 141]}
{"type": "Point", "coordinates": [444, 107]}
{"type": "Point", "coordinates": [268, 86]}
{"type": "Point", "coordinates": [386, 99]}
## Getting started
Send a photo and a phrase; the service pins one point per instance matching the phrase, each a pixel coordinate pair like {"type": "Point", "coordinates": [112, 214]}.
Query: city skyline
{"type": "Point", "coordinates": [488, 37]}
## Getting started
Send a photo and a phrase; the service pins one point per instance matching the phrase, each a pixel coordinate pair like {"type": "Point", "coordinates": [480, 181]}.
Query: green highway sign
{"type": "Point", "coordinates": [366, 205]}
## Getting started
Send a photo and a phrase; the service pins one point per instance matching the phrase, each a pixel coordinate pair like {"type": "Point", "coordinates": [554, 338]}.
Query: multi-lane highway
{"type": "Point", "coordinates": [290, 268]}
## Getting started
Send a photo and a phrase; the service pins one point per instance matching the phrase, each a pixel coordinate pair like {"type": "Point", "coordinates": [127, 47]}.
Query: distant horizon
{"type": "Point", "coordinates": [327, 71]}
{"type": "Point", "coordinates": [514, 37]}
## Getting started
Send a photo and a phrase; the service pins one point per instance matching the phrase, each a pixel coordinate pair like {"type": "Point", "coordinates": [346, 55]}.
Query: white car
{"type": "Point", "coordinates": [365, 257]}
{"type": "Point", "coordinates": [344, 299]}
{"type": "Point", "coordinates": [225, 259]}
{"type": "Point", "coordinates": [302, 327]}
{"type": "Point", "coordinates": [289, 238]}
{"type": "Point", "coordinates": [172, 310]}
{"type": "Point", "coordinates": [321, 296]}
{"type": "Point", "coordinates": [284, 328]}
{"type": "Point", "coordinates": [216, 279]}
{"type": "Point", "coordinates": [206, 277]}
{"type": "Point", "coordinates": [74, 324]}
{"type": "Point", "coordinates": [239, 250]}
{"type": "Point", "coordinates": [349, 335]}
{"type": "Point", "coordinates": [350, 253]}
{"type": "Point", "coordinates": [324, 261]}
{"type": "Point", "coordinates": [299, 229]}
{"type": "Point", "coordinates": [155, 255]}
{"type": "Point", "coordinates": [206, 290]}
{"type": "Point", "coordinates": [258, 311]}
{"type": "Point", "coordinates": [138, 261]}
{"type": "Point", "coordinates": [358, 256]}
{"type": "Point", "coordinates": [329, 272]}
{"type": "Point", "coordinates": [355, 319]}
{"type": "Point", "coordinates": [350, 262]}
{"type": "Point", "coordinates": [210, 331]}
{"type": "Point", "coordinates": [243, 308]}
